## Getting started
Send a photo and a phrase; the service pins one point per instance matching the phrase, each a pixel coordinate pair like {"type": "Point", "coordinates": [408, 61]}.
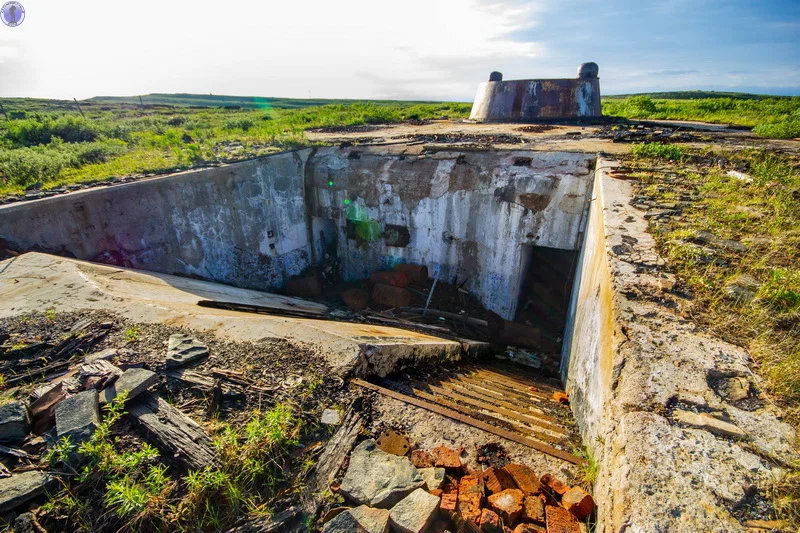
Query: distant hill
{"type": "Point", "coordinates": [696, 95]}
{"type": "Point", "coordinates": [245, 102]}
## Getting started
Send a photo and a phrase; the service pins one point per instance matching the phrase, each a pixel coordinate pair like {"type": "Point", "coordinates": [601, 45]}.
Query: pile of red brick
{"type": "Point", "coordinates": [507, 499]}
{"type": "Point", "coordinates": [389, 289]}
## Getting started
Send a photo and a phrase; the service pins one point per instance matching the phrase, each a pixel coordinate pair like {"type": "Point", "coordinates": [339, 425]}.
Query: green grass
{"type": "Point", "coordinates": [671, 152]}
{"type": "Point", "coordinates": [765, 216]}
{"type": "Point", "coordinates": [777, 117]}
{"type": "Point", "coordinates": [49, 143]}
{"type": "Point", "coordinates": [244, 102]}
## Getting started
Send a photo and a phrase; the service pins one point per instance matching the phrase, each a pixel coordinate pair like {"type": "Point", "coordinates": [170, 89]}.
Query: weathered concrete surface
{"type": "Point", "coordinates": [465, 215]}
{"type": "Point", "coordinates": [242, 224]}
{"type": "Point", "coordinates": [34, 281]}
{"type": "Point", "coordinates": [635, 369]}
{"type": "Point", "coordinates": [533, 100]}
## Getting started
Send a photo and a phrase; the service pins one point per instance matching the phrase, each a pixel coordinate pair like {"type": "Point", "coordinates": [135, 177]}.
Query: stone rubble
{"type": "Point", "coordinates": [499, 499]}
{"type": "Point", "coordinates": [14, 422]}
{"type": "Point", "coordinates": [183, 350]}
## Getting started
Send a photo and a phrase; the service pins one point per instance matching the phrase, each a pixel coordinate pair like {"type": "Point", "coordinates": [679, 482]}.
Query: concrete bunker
{"type": "Point", "coordinates": [505, 226]}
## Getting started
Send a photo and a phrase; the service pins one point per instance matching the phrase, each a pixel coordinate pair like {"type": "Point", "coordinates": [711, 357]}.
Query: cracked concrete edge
{"type": "Point", "coordinates": [633, 362]}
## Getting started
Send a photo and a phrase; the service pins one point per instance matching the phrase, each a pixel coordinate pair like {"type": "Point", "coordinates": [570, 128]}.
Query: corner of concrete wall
{"type": "Point", "coordinates": [650, 391]}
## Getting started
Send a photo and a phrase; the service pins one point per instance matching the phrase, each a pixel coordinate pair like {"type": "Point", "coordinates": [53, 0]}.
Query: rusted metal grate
{"type": "Point", "coordinates": [505, 400]}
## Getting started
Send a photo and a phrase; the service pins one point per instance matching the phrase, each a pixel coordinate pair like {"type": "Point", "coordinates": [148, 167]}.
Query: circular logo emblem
{"type": "Point", "coordinates": [12, 14]}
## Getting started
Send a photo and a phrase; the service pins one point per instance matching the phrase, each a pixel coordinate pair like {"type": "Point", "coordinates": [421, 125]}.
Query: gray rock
{"type": "Point", "coordinates": [133, 380]}
{"type": "Point", "coordinates": [107, 354]}
{"type": "Point", "coordinates": [184, 349]}
{"type": "Point", "coordinates": [588, 70]}
{"type": "Point", "coordinates": [363, 519]}
{"type": "Point", "coordinates": [14, 422]}
{"type": "Point", "coordinates": [377, 478]}
{"type": "Point", "coordinates": [330, 417]}
{"type": "Point", "coordinates": [742, 289]}
{"type": "Point", "coordinates": [19, 488]}
{"type": "Point", "coordinates": [414, 513]}
{"type": "Point", "coordinates": [78, 416]}
{"type": "Point", "coordinates": [434, 477]}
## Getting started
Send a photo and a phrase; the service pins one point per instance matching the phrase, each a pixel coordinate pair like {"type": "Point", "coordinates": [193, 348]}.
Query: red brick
{"type": "Point", "coordinates": [305, 287]}
{"type": "Point", "coordinates": [355, 298]}
{"type": "Point", "coordinates": [498, 480]}
{"type": "Point", "coordinates": [578, 502]}
{"type": "Point", "coordinates": [389, 296]}
{"type": "Point", "coordinates": [529, 528]}
{"type": "Point", "coordinates": [561, 521]}
{"type": "Point", "coordinates": [508, 504]}
{"type": "Point", "coordinates": [450, 484]}
{"type": "Point", "coordinates": [448, 503]}
{"type": "Point", "coordinates": [555, 485]}
{"type": "Point", "coordinates": [444, 457]}
{"type": "Point", "coordinates": [395, 279]}
{"type": "Point", "coordinates": [421, 459]}
{"type": "Point", "coordinates": [436, 492]}
{"type": "Point", "coordinates": [525, 479]}
{"type": "Point", "coordinates": [561, 397]}
{"type": "Point", "coordinates": [490, 522]}
{"type": "Point", "coordinates": [533, 510]}
{"type": "Point", "coordinates": [416, 274]}
{"type": "Point", "coordinates": [470, 497]}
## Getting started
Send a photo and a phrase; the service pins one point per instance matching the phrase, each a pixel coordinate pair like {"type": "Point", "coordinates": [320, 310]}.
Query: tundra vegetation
{"type": "Point", "coordinates": [735, 249]}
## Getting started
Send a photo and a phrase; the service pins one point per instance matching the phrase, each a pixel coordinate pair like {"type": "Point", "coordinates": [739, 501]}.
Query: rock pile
{"type": "Point", "coordinates": [433, 491]}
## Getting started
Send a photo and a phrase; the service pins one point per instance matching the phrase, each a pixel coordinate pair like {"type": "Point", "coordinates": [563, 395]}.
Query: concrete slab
{"type": "Point", "coordinates": [35, 281]}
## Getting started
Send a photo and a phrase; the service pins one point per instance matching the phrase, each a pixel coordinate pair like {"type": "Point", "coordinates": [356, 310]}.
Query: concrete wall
{"type": "Point", "coordinates": [464, 215]}
{"type": "Point", "coordinates": [257, 223]}
{"type": "Point", "coordinates": [242, 224]}
{"type": "Point", "coordinates": [676, 452]}
{"type": "Point", "coordinates": [532, 100]}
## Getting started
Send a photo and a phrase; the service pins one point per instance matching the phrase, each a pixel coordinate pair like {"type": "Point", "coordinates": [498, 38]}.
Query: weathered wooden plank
{"type": "Point", "coordinates": [176, 435]}
{"type": "Point", "coordinates": [549, 450]}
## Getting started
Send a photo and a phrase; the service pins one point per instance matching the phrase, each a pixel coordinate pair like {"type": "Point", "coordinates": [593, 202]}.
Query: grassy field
{"type": "Point", "coordinates": [243, 102]}
{"type": "Point", "coordinates": [744, 283]}
{"type": "Point", "coordinates": [776, 117]}
{"type": "Point", "coordinates": [50, 143]}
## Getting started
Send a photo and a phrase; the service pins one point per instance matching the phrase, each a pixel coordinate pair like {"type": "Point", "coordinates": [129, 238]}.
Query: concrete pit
{"type": "Point", "coordinates": [540, 239]}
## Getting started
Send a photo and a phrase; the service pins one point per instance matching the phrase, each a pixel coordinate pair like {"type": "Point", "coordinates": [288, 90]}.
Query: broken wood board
{"type": "Point", "coordinates": [172, 432]}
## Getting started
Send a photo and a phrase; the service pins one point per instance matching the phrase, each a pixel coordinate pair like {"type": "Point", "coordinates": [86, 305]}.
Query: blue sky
{"type": "Point", "coordinates": [415, 49]}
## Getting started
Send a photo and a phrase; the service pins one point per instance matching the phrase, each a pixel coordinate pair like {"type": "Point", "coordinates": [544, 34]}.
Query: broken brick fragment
{"type": "Point", "coordinates": [445, 457]}
{"type": "Point", "coordinates": [470, 497]}
{"type": "Point", "coordinates": [389, 296]}
{"type": "Point", "coordinates": [578, 502]}
{"type": "Point", "coordinates": [561, 521]}
{"type": "Point", "coordinates": [507, 504]}
{"type": "Point", "coordinates": [498, 480]}
{"type": "Point", "coordinates": [529, 528]}
{"type": "Point", "coordinates": [449, 502]}
{"type": "Point", "coordinates": [525, 479]}
{"type": "Point", "coordinates": [355, 298]}
{"type": "Point", "coordinates": [490, 522]}
{"type": "Point", "coordinates": [421, 459]}
{"type": "Point", "coordinates": [533, 510]}
{"type": "Point", "coordinates": [395, 279]}
{"type": "Point", "coordinates": [436, 492]}
{"type": "Point", "coordinates": [561, 397]}
{"type": "Point", "coordinates": [555, 485]}
{"type": "Point", "coordinates": [416, 274]}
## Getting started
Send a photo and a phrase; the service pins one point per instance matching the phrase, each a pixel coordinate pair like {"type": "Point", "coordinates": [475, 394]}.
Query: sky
{"type": "Point", "coordinates": [390, 49]}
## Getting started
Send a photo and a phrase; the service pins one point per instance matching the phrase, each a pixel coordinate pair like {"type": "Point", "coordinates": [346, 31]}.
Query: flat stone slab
{"type": "Point", "coordinates": [363, 519]}
{"type": "Point", "coordinates": [184, 349]}
{"type": "Point", "coordinates": [78, 416]}
{"type": "Point", "coordinates": [19, 488]}
{"type": "Point", "coordinates": [377, 478]}
{"type": "Point", "coordinates": [331, 417]}
{"type": "Point", "coordinates": [133, 380]}
{"type": "Point", "coordinates": [415, 512]}
{"type": "Point", "coordinates": [14, 422]}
